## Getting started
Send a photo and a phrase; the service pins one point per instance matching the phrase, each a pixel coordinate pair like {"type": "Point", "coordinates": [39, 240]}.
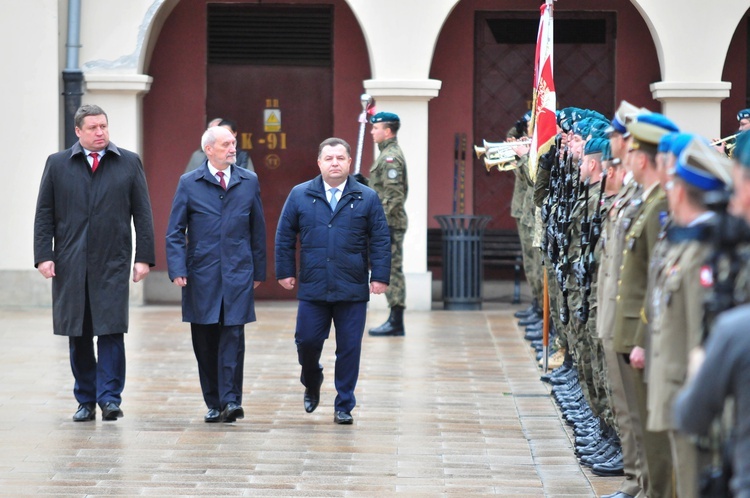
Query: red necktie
{"type": "Point", "coordinates": [95, 156]}
{"type": "Point", "coordinates": [220, 174]}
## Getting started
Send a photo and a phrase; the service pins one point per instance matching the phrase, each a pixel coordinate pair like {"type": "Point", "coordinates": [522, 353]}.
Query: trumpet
{"type": "Point", "coordinates": [502, 163]}
{"type": "Point", "coordinates": [725, 139]}
{"type": "Point", "coordinates": [501, 147]}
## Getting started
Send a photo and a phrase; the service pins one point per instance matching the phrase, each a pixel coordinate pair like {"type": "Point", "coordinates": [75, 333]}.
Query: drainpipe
{"type": "Point", "coordinates": [72, 74]}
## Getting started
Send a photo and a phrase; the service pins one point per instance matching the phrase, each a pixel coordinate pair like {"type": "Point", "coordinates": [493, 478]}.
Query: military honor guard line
{"type": "Point", "coordinates": [642, 231]}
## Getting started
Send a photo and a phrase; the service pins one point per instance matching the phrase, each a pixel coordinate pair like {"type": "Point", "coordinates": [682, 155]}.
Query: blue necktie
{"type": "Point", "coordinates": [333, 199]}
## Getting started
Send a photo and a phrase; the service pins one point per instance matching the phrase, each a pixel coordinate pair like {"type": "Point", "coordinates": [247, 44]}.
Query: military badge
{"type": "Point", "coordinates": [663, 215]}
{"type": "Point", "coordinates": [707, 276]}
{"type": "Point", "coordinates": [389, 160]}
{"type": "Point", "coordinates": [392, 173]}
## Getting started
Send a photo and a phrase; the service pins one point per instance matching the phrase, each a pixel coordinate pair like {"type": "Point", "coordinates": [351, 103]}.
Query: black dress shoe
{"type": "Point", "coordinates": [232, 412]}
{"type": "Point", "coordinates": [531, 310]}
{"type": "Point", "coordinates": [312, 396]}
{"type": "Point", "coordinates": [530, 320]}
{"type": "Point", "coordinates": [111, 411]}
{"type": "Point", "coordinates": [533, 336]}
{"type": "Point", "coordinates": [86, 412]}
{"type": "Point", "coordinates": [343, 418]}
{"type": "Point", "coordinates": [212, 416]}
{"type": "Point", "coordinates": [614, 467]}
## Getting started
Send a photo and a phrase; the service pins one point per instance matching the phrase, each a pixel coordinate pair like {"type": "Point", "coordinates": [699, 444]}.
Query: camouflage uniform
{"type": "Point", "coordinates": [579, 340]}
{"type": "Point", "coordinates": [522, 208]}
{"type": "Point", "coordinates": [388, 178]}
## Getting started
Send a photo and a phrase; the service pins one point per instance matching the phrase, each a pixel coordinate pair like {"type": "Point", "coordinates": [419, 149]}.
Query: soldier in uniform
{"type": "Point", "coordinates": [642, 223]}
{"type": "Point", "coordinates": [522, 208]}
{"type": "Point", "coordinates": [681, 280]}
{"type": "Point", "coordinates": [388, 178]}
{"type": "Point", "coordinates": [610, 247]}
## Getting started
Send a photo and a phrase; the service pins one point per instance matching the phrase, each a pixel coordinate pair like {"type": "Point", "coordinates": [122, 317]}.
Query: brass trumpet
{"type": "Point", "coordinates": [498, 153]}
{"type": "Point", "coordinates": [725, 139]}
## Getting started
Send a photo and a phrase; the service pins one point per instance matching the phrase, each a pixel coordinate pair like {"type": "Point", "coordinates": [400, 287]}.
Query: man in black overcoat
{"type": "Point", "coordinates": [88, 196]}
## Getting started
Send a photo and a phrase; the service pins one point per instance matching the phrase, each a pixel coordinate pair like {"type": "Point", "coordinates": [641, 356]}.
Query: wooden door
{"type": "Point", "coordinates": [584, 67]}
{"type": "Point", "coordinates": [279, 93]}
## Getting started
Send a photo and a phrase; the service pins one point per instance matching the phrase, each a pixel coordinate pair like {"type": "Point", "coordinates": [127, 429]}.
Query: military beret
{"type": "Point", "coordinates": [526, 117]}
{"type": "Point", "coordinates": [384, 117]}
{"type": "Point", "coordinates": [743, 114]}
{"type": "Point", "coordinates": [567, 117]}
{"type": "Point", "coordinates": [594, 146]}
{"type": "Point", "coordinates": [606, 151]}
{"type": "Point", "coordinates": [598, 127]}
{"type": "Point", "coordinates": [702, 167]}
{"type": "Point", "coordinates": [623, 114]}
{"type": "Point", "coordinates": [665, 142]}
{"type": "Point", "coordinates": [647, 130]}
{"type": "Point", "coordinates": [581, 127]}
{"type": "Point", "coordinates": [741, 152]}
{"type": "Point", "coordinates": [680, 141]}
{"type": "Point", "coordinates": [590, 113]}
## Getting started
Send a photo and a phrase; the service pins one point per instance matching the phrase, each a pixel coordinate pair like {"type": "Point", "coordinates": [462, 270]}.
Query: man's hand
{"type": "Point", "coordinates": [140, 270]}
{"type": "Point", "coordinates": [378, 287]}
{"type": "Point", "coordinates": [46, 268]}
{"type": "Point", "coordinates": [288, 283]}
{"type": "Point", "coordinates": [521, 149]}
{"type": "Point", "coordinates": [256, 283]}
{"type": "Point", "coordinates": [180, 281]}
{"type": "Point", "coordinates": [638, 358]}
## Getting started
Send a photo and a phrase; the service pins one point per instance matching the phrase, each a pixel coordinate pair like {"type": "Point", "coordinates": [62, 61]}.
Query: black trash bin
{"type": "Point", "coordinates": [462, 260]}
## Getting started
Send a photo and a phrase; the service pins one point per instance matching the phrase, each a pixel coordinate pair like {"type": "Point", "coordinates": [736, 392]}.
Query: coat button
{"type": "Point", "coordinates": [329, 225]}
{"type": "Point", "coordinates": [221, 196]}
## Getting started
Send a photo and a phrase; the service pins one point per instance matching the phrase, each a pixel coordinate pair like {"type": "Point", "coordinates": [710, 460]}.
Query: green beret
{"type": "Point", "coordinates": [384, 117]}
{"type": "Point", "coordinates": [594, 146]}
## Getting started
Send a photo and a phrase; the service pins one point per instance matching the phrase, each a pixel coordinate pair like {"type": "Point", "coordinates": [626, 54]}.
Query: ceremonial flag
{"type": "Point", "coordinates": [543, 118]}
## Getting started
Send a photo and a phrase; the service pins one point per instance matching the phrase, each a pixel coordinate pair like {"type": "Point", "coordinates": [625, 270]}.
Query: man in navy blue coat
{"type": "Point", "coordinates": [343, 233]}
{"type": "Point", "coordinates": [218, 264]}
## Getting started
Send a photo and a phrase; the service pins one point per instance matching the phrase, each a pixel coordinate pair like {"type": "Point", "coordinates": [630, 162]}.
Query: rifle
{"type": "Point", "coordinates": [563, 269]}
{"type": "Point", "coordinates": [582, 268]}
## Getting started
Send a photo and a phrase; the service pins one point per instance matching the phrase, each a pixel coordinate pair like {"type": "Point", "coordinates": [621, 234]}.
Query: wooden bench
{"type": "Point", "coordinates": [500, 249]}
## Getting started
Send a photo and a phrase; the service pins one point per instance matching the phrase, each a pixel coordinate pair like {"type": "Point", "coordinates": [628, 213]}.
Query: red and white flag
{"type": "Point", "coordinates": [543, 114]}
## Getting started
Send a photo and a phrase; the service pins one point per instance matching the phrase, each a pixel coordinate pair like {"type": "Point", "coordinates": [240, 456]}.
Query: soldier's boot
{"type": "Point", "coordinates": [393, 326]}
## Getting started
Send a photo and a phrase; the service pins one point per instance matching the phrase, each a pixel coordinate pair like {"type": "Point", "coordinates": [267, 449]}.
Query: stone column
{"type": "Point", "coordinates": [409, 99]}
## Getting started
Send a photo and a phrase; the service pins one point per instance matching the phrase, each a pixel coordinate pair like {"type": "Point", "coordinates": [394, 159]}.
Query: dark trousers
{"type": "Point", "coordinates": [313, 328]}
{"type": "Point", "coordinates": [220, 351]}
{"type": "Point", "coordinates": [99, 381]}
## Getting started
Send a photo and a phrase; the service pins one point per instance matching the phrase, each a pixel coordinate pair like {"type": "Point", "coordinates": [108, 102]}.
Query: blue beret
{"type": "Point", "coordinates": [384, 116]}
{"type": "Point", "coordinates": [595, 146]}
{"type": "Point", "coordinates": [665, 143]}
{"type": "Point", "coordinates": [743, 114]}
{"type": "Point", "coordinates": [680, 141]}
